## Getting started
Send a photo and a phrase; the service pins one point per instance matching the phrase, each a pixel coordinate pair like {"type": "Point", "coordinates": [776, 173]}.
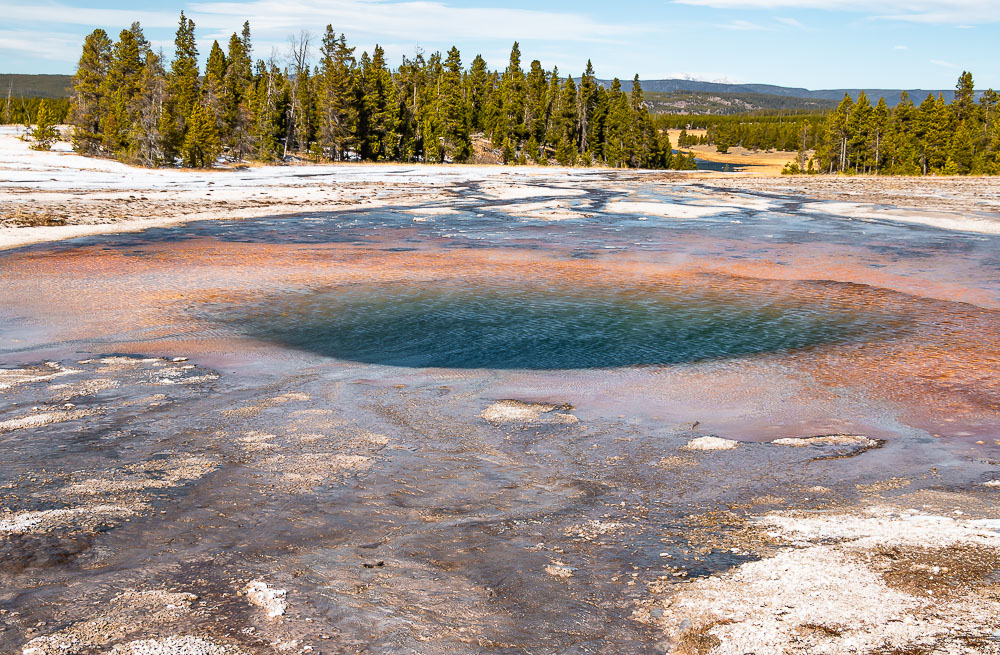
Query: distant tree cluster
{"type": "Point", "coordinates": [934, 138]}
{"type": "Point", "coordinates": [24, 111]}
{"type": "Point", "coordinates": [129, 104]}
{"type": "Point", "coordinates": [758, 131]}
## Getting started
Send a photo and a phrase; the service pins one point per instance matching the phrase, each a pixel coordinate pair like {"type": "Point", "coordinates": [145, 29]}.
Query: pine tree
{"type": "Point", "coordinates": [617, 149]}
{"type": "Point", "coordinates": [533, 150]}
{"type": "Point", "coordinates": [839, 135]}
{"type": "Point", "coordinates": [880, 124]}
{"type": "Point", "coordinates": [479, 94]}
{"type": "Point", "coordinates": [564, 118]}
{"type": "Point", "coordinates": [182, 87]}
{"type": "Point", "coordinates": [88, 90]}
{"type": "Point", "coordinates": [265, 111]}
{"type": "Point", "coordinates": [213, 91]}
{"type": "Point", "coordinates": [990, 140]}
{"type": "Point", "coordinates": [598, 124]}
{"type": "Point", "coordinates": [508, 155]}
{"type": "Point", "coordinates": [934, 127]}
{"type": "Point", "coordinates": [454, 114]}
{"type": "Point", "coordinates": [536, 101]}
{"type": "Point", "coordinates": [902, 150]}
{"type": "Point", "coordinates": [335, 96]}
{"type": "Point", "coordinates": [964, 104]}
{"type": "Point", "coordinates": [553, 97]}
{"type": "Point", "coordinates": [589, 137]}
{"type": "Point", "coordinates": [236, 118]}
{"type": "Point", "coordinates": [121, 86]}
{"type": "Point", "coordinates": [565, 152]}
{"type": "Point", "coordinates": [378, 115]}
{"type": "Point", "coordinates": [201, 142]}
{"type": "Point", "coordinates": [964, 151]}
{"type": "Point", "coordinates": [44, 134]}
{"type": "Point", "coordinates": [512, 100]}
{"type": "Point", "coordinates": [642, 134]}
{"type": "Point", "coordinates": [859, 127]}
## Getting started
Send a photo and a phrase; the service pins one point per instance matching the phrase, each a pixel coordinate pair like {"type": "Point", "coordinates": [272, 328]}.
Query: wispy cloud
{"type": "Point", "coordinates": [790, 21]}
{"type": "Point", "coordinates": [943, 64]}
{"type": "Point", "coordinates": [743, 26]}
{"type": "Point", "coordinates": [54, 13]}
{"type": "Point", "coordinates": [963, 12]}
{"type": "Point", "coordinates": [51, 46]}
{"type": "Point", "coordinates": [362, 20]}
{"type": "Point", "coordinates": [901, 47]}
{"type": "Point", "coordinates": [432, 21]}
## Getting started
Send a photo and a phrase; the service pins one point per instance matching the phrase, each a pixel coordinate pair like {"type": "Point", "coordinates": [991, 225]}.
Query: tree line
{"type": "Point", "coordinates": [758, 131]}
{"type": "Point", "coordinates": [24, 111]}
{"type": "Point", "coordinates": [128, 103]}
{"type": "Point", "coordinates": [932, 138]}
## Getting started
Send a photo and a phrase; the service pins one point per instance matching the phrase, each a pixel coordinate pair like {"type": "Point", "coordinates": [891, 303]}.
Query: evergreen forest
{"type": "Point", "coordinates": [130, 104]}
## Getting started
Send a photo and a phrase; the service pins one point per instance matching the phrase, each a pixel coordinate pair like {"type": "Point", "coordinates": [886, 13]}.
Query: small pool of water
{"type": "Point", "coordinates": [460, 325]}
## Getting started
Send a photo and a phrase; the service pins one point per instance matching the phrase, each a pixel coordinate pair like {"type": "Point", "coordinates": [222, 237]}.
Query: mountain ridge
{"type": "Point", "coordinates": [58, 86]}
{"type": "Point", "coordinates": [892, 96]}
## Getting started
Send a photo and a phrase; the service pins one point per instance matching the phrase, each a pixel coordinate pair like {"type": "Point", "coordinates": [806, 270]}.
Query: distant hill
{"type": "Point", "coordinates": [678, 85]}
{"type": "Point", "coordinates": [704, 102]}
{"type": "Point", "coordinates": [35, 86]}
{"type": "Point", "coordinates": [667, 96]}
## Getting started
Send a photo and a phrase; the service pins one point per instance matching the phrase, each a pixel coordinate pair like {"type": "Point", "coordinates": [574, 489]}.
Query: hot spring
{"type": "Point", "coordinates": [539, 326]}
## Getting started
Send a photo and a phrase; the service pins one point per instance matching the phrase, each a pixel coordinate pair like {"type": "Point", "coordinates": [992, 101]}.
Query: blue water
{"type": "Point", "coordinates": [468, 325]}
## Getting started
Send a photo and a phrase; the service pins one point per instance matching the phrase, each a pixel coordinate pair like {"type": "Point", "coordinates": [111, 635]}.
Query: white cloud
{"type": "Point", "coordinates": [790, 21]}
{"type": "Point", "coordinates": [742, 26]}
{"type": "Point", "coordinates": [55, 13]}
{"type": "Point", "coordinates": [901, 47]}
{"type": "Point", "coordinates": [430, 21]}
{"type": "Point", "coordinates": [399, 25]}
{"type": "Point", "coordinates": [943, 64]}
{"type": "Point", "coordinates": [921, 11]}
{"type": "Point", "coordinates": [50, 46]}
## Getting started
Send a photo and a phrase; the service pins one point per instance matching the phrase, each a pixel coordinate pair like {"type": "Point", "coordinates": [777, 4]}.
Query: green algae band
{"type": "Point", "coordinates": [459, 326]}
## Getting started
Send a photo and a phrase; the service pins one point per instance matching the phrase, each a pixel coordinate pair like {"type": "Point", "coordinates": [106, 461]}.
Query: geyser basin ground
{"type": "Point", "coordinates": [468, 420]}
{"type": "Point", "coordinates": [454, 325]}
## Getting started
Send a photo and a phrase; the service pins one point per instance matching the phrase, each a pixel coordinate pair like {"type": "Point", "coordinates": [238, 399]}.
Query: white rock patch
{"type": "Point", "coordinates": [827, 440]}
{"type": "Point", "coordinates": [558, 569]}
{"type": "Point", "coordinates": [42, 418]}
{"type": "Point", "coordinates": [823, 598]}
{"type": "Point", "coordinates": [272, 601]}
{"type": "Point", "coordinates": [711, 443]}
{"type": "Point", "coordinates": [187, 645]}
{"type": "Point", "coordinates": [505, 412]}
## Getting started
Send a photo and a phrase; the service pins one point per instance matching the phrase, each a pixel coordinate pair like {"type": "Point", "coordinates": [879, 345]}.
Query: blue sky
{"type": "Point", "coordinates": [809, 43]}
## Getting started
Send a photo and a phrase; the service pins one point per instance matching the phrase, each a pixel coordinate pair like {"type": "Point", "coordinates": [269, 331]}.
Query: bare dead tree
{"type": "Point", "coordinates": [299, 71]}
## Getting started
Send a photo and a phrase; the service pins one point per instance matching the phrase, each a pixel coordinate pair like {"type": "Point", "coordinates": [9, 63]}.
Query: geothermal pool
{"type": "Point", "coordinates": [461, 425]}
{"type": "Point", "coordinates": [489, 326]}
